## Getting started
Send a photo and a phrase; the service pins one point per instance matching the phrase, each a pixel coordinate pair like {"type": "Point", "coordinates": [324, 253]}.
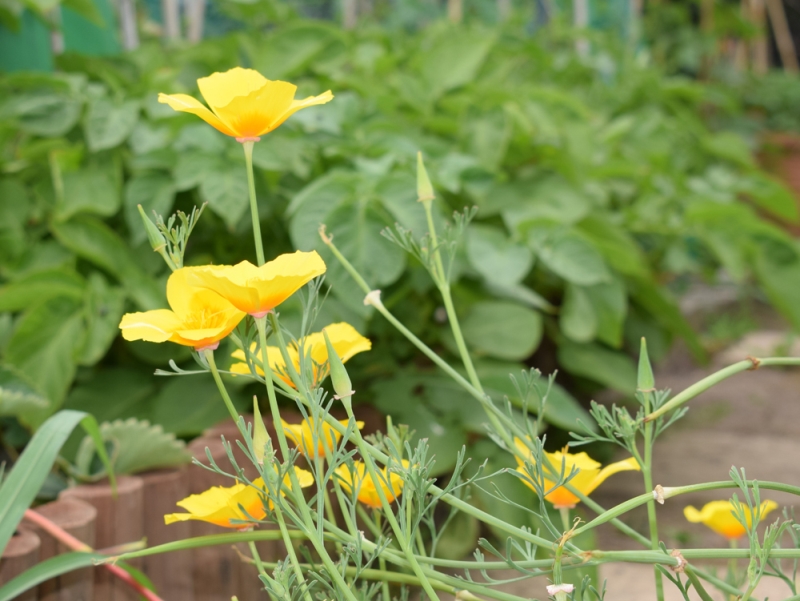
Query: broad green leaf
{"type": "Point", "coordinates": [568, 255]}
{"type": "Point", "coordinates": [781, 282]}
{"type": "Point", "coordinates": [138, 447]}
{"type": "Point", "coordinates": [503, 330]}
{"type": "Point", "coordinates": [561, 409]}
{"type": "Point", "coordinates": [43, 349]}
{"type": "Point", "coordinates": [48, 114]}
{"type": "Point", "coordinates": [13, 215]}
{"type": "Point", "coordinates": [610, 305]}
{"type": "Point", "coordinates": [45, 570]}
{"type": "Point", "coordinates": [174, 414]}
{"type": "Point", "coordinates": [289, 50]}
{"type": "Point", "coordinates": [109, 124]}
{"type": "Point", "coordinates": [19, 490]}
{"type": "Point", "coordinates": [771, 195]}
{"type": "Point", "coordinates": [729, 146]}
{"type": "Point", "coordinates": [17, 395]}
{"type": "Point", "coordinates": [96, 242]}
{"type": "Point", "coordinates": [595, 362]}
{"type": "Point", "coordinates": [454, 59]}
{"type": "Point", "coordinates": [551, 199]}
{"type": "Point", "coordinates": [495, 257]}
{"type": "Point", "coordinates": [311, 206]}
{"type": "Point", "coordinates": [577, 318]}
{"type": "Point", "coordinates": [40, 286]}
{"type": "Point", "coordinates": [90, 190]}
{"type": "Point", "coordinates": [616, 245]}
{"type": "Point", "coordinates": [155, 192]}
{"type": "Point", "coordinates": [115, 393]}
{"type": "Point", "coordinates": [103, 310]}
{"type": "Point", "coordinates": [192, 167]}
{"type": "Point", "coordinates": [226, 193]}
{"type": "Point", "coordinates": [284, 155]}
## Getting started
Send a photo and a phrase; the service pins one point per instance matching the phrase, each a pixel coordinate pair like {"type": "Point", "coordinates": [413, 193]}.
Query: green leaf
{"type": "Point", "coordinates": [45, 570]}
{"type": "Point", "coordinates": [495, 257]}
{"type": "Point", "coordinates": [43, 349]}
{"type": "Point", "coordinates": [130, 390]}
{"type": "Point", "coordinates": [138, 447]}
{"type": "Point", "coordinates": [313, 204]}
{"type": "Point", "coordinates": [40, 286]}
{"type": "Point", "coordinates": [90, 190]}
{"type": "Point", "coordinates": [729, 146]}
{"type": "Point", "coordinates": [19, 490]}
{"type": "Point", "coordinates": [13, 217]}
{"type": "Point", "coordinates": [562, 409]}
{"type": "Point", "coordinates": [551, 199]}
{"type": "Point", "coordinates": [94, 241]}
{"type": "Point", "coordinates": [772, 196]}
{"type": "Point", "coordinates": [47, 114]}
{"type": "Point", "coordinates": [595, 362]}
{"type": "Point", "coordinates": [290, 50]}
{"type": "Point", "coordinates": [226, 194]}
{"type": "Point", "coordinates": [17, 395]}
{"type": "Point", "coordinates": [615, 244]}
{"type": "Point", "coordinates": [781, 283]}
{"type": "Point", "coordinates": [610, 305]}
{"type": "Point", "coordinates": [192, 167]}
{"type": "Point", "coordinates": [577, 319]}
{"type": "Point", "coordinates": [103, 311]}
{"type": "Point", "coordinates": [155, 192]}
{"type": "Point", "coordinates": [454, 59]}
{"type": "Point", "coordinates": [502, 329]}
{"type": "Point", "coordinates": [568, 255]}
{"type": "Point", "coordinates": [109, 124]}
{"type": "Point", "coordinates": [187, 405]}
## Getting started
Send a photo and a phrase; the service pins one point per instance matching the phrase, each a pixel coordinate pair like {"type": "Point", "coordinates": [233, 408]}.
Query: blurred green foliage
{"type": "Point", "coordinates": [599, 186]}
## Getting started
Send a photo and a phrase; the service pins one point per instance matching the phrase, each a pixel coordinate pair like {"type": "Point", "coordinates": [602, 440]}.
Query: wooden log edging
{"type": "Point", "coordinates": [78, 519]}
{"type": "Point", "coordinates": [21, 553]}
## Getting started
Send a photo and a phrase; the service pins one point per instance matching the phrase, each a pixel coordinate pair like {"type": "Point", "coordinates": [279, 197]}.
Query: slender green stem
{"type": "Point", "coordinates": [440, 276]}
{"type": "Point", "coordinates": [698, 586]}
{"type": "Point", "coordinates": [716, 378]}
{"type": "Point", "coordinates": [400, 536]}
{"type": "Point", "coordinates": [647, 475]}
{"type": "Point", "coordinates": [382, 559]}
{"type": "Point", "coordinates": [257, 558]}
{"type": "Point", "coordinates": [251, 186]}
{"type": "Point", "coordinates": [212, 366]}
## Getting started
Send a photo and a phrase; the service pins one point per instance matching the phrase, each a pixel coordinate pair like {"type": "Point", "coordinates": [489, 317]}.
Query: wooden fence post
{"type": "Point", "coordinates": [21, 553]}
{"type": "Point", "coordinates": [118, 521]}
{"type": "Point", "coordinates": [78, 519]}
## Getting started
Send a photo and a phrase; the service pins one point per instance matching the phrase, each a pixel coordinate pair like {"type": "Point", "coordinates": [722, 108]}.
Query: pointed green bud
{"type": "Point", "coordinates": [424, 187]}
{"type": "Point", "coordinates": [646, 382]}
{"type": "Point", "coordinates": [339, 378]}
{"type": "Point", "coordinates": [156, 238]}
{"type": "Point", "coordinates": [261, 439]}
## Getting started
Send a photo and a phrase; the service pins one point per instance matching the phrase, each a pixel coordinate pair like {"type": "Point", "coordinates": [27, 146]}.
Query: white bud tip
{"type": "Point", "coordinates": [552, 589]}
{"type": "Point", "coordinates": [373, 298]}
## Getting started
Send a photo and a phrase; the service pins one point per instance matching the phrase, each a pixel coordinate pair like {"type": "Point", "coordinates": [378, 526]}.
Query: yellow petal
{"type": "Point", "coordinates": [218, 89]}
{"type": "Point", "coordinates": [152, 326]}
{"type": "Point", "coordinates": [254, 114]}
{"type": "Point", "coordinates": [301, 104]}
{"type": "Point", "coordinates": [187, 104]}
{"type": "Point", "coordinates": [719, 516]}
{"type": "Point", "coordinates": [283, 276]}
{"type": "Point", "coordinates": [345, 339]}
{"type": "Point", "coordinates": [620, 466]}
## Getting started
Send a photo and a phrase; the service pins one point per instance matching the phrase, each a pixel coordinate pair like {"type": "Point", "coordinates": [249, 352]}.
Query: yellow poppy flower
{"type": "Point", "coordinates": [345, 339]}
{"type": "Point", "coordinates": [219, 505]}
{"type": "Point", "coordinates": [302, 435]}
{"type": "Point", "coordinates": [244, 104]}
{"type": "Point", "coordinates": [258, 290]}
{"type": "Point", "coordinates": [199, 318]}
{"type": "Point", "coordinates": [719, 516]}
{"type": "Point", "coordinates": [367, 492]}
{"type": "Point", "coordinates": [589, 475]}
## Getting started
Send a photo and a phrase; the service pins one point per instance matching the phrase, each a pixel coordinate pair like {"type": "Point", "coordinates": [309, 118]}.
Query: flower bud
{"type": "Point", "coordinates": [261, 439]}
{"type": "Point", "coordinates": [424, 187]}
{"type": "Point", "coordinates": [645, 380]}
{"type": "Point", "coordinates": [339, 378]}
{"type": "Point", "coordinates": [156, 238]}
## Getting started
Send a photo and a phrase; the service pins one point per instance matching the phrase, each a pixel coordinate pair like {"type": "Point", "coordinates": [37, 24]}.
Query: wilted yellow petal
{"type": "Point", "coordinates": [187, 104]}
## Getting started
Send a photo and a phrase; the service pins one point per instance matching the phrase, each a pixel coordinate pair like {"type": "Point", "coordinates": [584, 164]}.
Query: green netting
{"type": "Point", "coordinates": [27, 49]}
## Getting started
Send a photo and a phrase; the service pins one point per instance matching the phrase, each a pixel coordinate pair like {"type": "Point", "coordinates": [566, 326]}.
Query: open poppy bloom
{"type": "Point", "coordinates": [219, 504]}
{"type": "Point", "coordinates": [345, 339]}
{"type": "Point", "coordinates": [199, 318]}
{"type": "Point", "coordinates": [719, 516]}
{"type": "Point", "coordinates": [367, 491]}
{"type": "Point", "coordinates": [258, 290]}
{"type": "Point", "coordinates": [244, 104]}
{"type": "Point", "coordinates": [302, 435]}
{"type": "Point", "coordinates": [589, 475]}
